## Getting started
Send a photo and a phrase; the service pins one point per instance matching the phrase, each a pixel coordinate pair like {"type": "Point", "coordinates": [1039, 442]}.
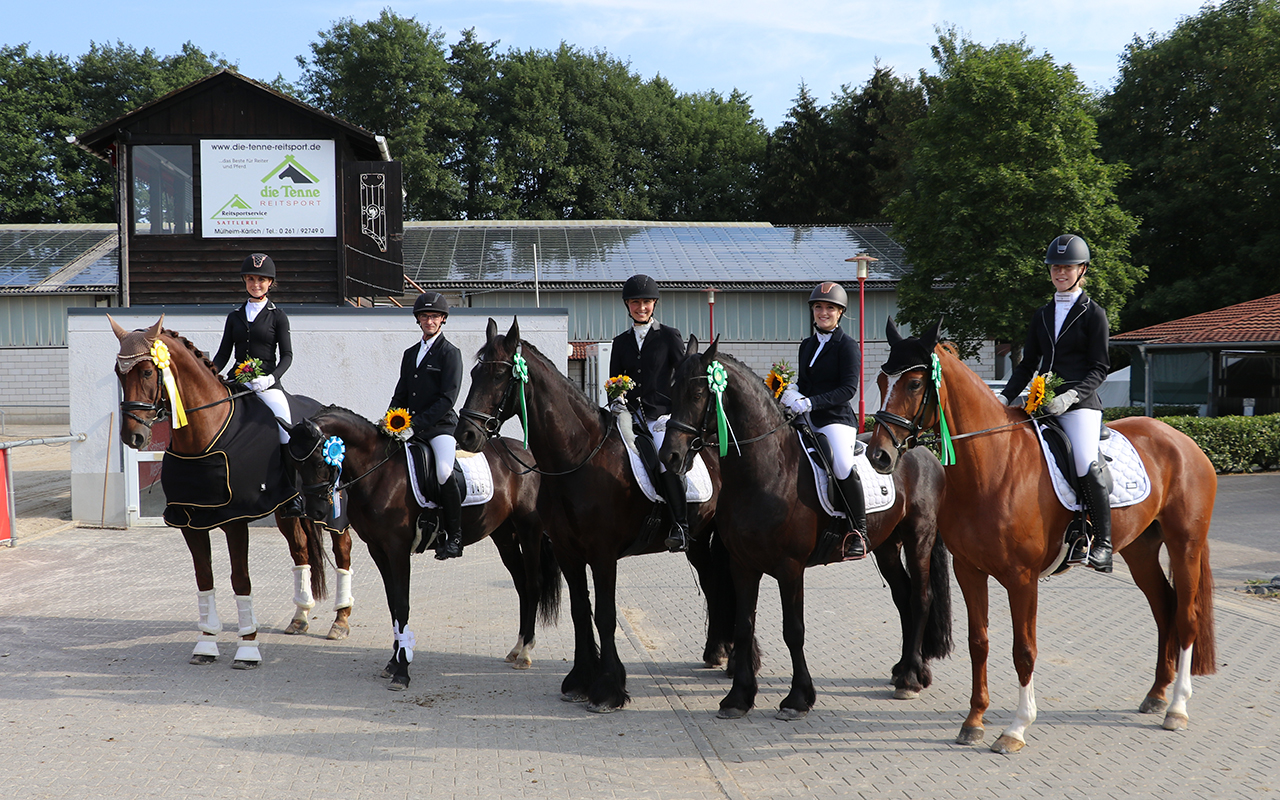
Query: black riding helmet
{"type": "Point", "coordinates": [1067, 249]}
{"type": "Point", "coordinates": [829, 292]}
{"type": "Point", "coordinates": [430, 302]}
{"type": "Point", "coordinates": [640, 287]}
{"type": "Point", "coordinates": [258, 264]}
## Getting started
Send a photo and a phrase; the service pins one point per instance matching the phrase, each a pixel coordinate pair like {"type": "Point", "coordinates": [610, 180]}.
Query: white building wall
{"type": "Point", "coordinates": [34, 384]}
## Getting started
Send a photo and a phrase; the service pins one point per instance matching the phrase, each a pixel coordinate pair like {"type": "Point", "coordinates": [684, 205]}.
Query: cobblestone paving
{"type": "Point", "coordinates": [98, 701]}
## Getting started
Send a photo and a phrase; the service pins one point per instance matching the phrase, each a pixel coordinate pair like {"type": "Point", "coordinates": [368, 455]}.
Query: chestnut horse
{"type": "Point", "coordinates": [384, 513]}
{"type": "Point", "coordinates": [590, 504]}
{"type": "Point", "coordinates": [772, 523]}
{"type": "Point", "coordinates": [1002, 519]}
{"type": "Point", "coordinates": [207, 401]}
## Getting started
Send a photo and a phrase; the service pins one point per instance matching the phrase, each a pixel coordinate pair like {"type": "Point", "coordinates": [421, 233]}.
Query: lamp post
{"type": "Point", "coordinates": [863, 261]}
{"type": "Point", "coordinates": [711, 311]}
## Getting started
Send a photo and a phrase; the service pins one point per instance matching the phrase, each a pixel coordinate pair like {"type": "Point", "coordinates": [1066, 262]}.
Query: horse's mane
{"type": "Point", "coordinates": [528, 347]}
{"type": "Point", "coordinates": [756, 387]}
{"type": "Point", "coordinates": [189, 345]}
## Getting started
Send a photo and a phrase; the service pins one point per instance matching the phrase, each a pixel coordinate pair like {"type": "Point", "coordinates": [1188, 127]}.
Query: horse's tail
{"type": "Point", "coordinates": [937, 630]}
{"type": "Point", "coordinates": [1204, 659]}
{"type": "Point", "coordinates": [549, 597]}
{"type": "Point", "coordinates": [316, 557]}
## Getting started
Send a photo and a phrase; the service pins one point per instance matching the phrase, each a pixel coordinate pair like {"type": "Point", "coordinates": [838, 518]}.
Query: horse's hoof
{"type": "Point", "coordinates": [1153, 705]}
{"type": "Point", "coordinates": [905, 694]}
{"type": "Point", "coordinates": [790, 714]}
{"type": "Point", "coordinates": [245, 664]}
{"type": "Point", "coordinates": [522, 663]}
{"type": "Point", "coordinates": [731, 713]}
{"type": "Point", "coordinates": [511, 657]}
{"type": "Point", "coordinates": [297, 626]}
{"type": "Point", "coordinates": [602, 708]}
{"type": "Point", "coordinates": [338, 632]}
{"type": "Point", "coordinates": [202, 661]}
{"type": "Point", "coordinates": [574, 697]}
{"type": "Point", "coordinates": [399, 683]}
{"type": "Point", "coordinates": [1007, 745]}
{"type": "Point", "coordinates": [970, 735]}
{"type": "Point", "coordinates": [706, 664]}
{"type": "Point", "coordinates": [1174, 721]}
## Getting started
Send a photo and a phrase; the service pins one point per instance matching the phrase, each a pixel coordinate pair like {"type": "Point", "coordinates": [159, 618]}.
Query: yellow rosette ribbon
{"type": "Point", "coordinates": [160, 357]}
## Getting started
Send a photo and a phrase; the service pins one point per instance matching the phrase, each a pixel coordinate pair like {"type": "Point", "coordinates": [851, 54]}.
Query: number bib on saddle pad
{"type": "Point", "coordinates": [1130, 482]}
{"type": "Point", "coordinates": [239, 477]}
{"type": "Point", "coordinates": [878, 489]}
{"type": "Point", "coordinates": [475, 470]}
{"type": "Point", "coordinates": [697, 480]}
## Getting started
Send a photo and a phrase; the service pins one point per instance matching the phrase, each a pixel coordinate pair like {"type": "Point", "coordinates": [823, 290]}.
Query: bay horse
{"type": "Point", "coordinates": [1002, 519]}
{"type": "Point", "coordinates": [771, 521]}
{"type": "Point", "coordinates": [208, 402]}
{"type": "Point", "coordinates": [384, 513]}
{"type": "Point", "coordinates": [590, 504]}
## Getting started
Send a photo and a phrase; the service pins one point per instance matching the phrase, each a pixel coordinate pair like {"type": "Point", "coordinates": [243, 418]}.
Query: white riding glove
{"type": "Point", "coordinates": [795, 402]}
{"type": "Point", "coordinates": [789, 395]}
{"type": "Point", "coordinates": [1062, 402]}
{"type": "Point", "coordinates": [617, 406]}
{"type": "Point", "coordinates": [660, 424]}
{"type": "Point", "coordinates": [265, 382]}
{"type": "Point", "coordinates": [1017, 402]}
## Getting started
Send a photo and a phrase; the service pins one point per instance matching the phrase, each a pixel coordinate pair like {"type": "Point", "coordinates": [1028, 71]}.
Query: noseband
{"type": "Point", "coordinates": [491, 425]}
{"type": "Point", "coordinates": [159, 411]}
{"type": "Point", "coordinates": [698, 436]}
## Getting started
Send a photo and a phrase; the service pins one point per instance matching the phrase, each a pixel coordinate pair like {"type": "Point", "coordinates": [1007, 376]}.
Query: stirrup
{"type": "Point", "coordinates": [853, 541]}
{"type": "Point", "coordinates": [678, 540]}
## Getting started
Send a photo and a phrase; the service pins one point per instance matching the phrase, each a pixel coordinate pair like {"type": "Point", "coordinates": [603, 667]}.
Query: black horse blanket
{"type": "Point", "coordinates": [240, 475]}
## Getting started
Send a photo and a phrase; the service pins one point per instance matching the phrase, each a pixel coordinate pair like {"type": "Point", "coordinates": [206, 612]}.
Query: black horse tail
{"type": "Point", "coordinates": [937, 629]}
{"type": "Point", "coordinates": [316, 556]}
{"type": "Point", "coordinates": [549, 597]}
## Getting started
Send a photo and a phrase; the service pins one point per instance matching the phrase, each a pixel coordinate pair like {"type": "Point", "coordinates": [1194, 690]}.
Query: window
{"type": "Point", "coordinates": [162, 189]}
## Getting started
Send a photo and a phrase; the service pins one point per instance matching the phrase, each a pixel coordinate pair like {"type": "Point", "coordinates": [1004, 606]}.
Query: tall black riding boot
{"type": "Point", "coordinates": [294, 508]}
{"type": "Point", "coordinates": [1094, 483]}
{"type": "Point", "coordinates": [855, 544]}
{"type": "Point", "coordinates": [674, 493]}
{"type": "Point", "coordinates": [451, 520]}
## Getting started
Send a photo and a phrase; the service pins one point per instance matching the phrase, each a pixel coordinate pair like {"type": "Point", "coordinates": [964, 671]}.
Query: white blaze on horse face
{"type": "Point", "coordinates": [891, 382]}
{"type": "Point", "coordinates": [1026, 713]}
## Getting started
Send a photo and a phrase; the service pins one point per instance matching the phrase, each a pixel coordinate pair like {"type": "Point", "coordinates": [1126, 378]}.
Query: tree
{"type": "Point", "coordinates": [800, 157]}
{"type": "Point", "coordinates": [1195, 115]}
{"type": "Point", "coordinates": [1004, 161]}
{"type": "Point", "coordinates": [38, 181]}
{"type": "Point", "coordinates": [472, 76]}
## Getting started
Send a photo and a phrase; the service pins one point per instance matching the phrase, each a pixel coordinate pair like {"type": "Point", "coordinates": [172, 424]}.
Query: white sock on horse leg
{"type": "Point", "coordinates": [1181, 684]}
{"type": "Point", "coordinates": [207, 608]}
{"type": "Point", "coordinates": [302, 597]}
{"type": "Point", "coordinates": [248, 622]}
{"type": "Point", "coordinates": [342, 599]}
{"type": "Point", "coordinates": [1026, 713]}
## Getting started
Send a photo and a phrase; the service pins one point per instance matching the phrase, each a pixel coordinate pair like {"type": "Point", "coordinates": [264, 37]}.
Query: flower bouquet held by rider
{"type": "Point", "coordinates": [1040, 394]}
{"type": "Point", "coordinates": [247, 370]}
{"type": "Point", "coordinates": [781, 375]}
{"type": "Point", "coordinates": [396, 423]}
{"type": "Point", "coordinates": [618, 386]}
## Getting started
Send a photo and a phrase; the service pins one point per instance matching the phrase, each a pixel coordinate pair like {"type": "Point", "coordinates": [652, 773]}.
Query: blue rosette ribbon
{"type": "Point", "coordinates": [333, 450]}
{"type": "Point", "coordinates": [718, 381]}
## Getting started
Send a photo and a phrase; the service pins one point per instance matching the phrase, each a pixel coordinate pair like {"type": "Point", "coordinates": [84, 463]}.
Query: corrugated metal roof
{"type": "Point", "coordinates": [1252, 322]}
{"type": "Point", "coordinates": [58, 259]}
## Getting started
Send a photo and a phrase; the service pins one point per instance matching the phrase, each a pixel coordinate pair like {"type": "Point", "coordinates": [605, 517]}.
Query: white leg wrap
{"type": "Point", "coordinates": [248, 651]}
{"type": "Point", "coordinates": [207, 646]}
{"type": "Point", "coordinates": [343, 599]}
{"type": "Point", "coordinates": [405, 640]}
{"type": "Point", "coordinates": [208, 610]}
{"type": "Point", "coordinates": [248, 622]}
{"type": "Point", "coordinates": [302, 597]}
{"type": "Point", "coordinates": [1026, 713]}
{"type": "Point", "coordinates": [1181, 685]}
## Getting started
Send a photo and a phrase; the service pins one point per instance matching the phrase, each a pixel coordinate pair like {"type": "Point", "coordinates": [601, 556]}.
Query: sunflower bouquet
{"type": "Point", "coordinates": [247, 370]}
{"type": "Point", "coordinates": [781, 375]}
{"type": "Point", "coordinates": [397, 423]}
{"type": "Point", "coordinates": [617, 386]}
{"type": "Point", "coordinates": [1042, 391]}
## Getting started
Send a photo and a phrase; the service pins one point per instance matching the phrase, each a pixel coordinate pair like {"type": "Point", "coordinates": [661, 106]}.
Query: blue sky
{"type": "Point", "coordinates": [764, 49]}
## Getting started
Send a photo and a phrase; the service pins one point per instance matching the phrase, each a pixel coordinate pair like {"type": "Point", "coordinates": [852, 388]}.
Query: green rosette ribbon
{"type": "Point", "coordinates": [520, 371]}
{"type": "Point", "coordinates": [948, 447]}
{"type": "Point", "coordinates": [717, 381]}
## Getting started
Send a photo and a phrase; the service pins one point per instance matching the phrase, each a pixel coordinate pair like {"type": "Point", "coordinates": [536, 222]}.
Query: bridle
{"type": "Point", "coordinates": [914, 426]}
{"type": "Point", "coordinates": [699, 438]}
{"type": "Point", "coordinates": [330, 486]}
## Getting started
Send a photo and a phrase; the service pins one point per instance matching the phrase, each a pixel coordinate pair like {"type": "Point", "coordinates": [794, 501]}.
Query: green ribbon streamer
{"type": "Point", "coordinates": [948, 447]}
{"type": "Point", "coordinates": [520, 369]}
{"type": "Point", "coordinates": [718, 380]}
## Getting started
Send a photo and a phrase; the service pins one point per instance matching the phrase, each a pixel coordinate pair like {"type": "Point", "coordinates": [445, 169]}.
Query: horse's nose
{"type": "Point", "coordinates": [674, 462]}
{"type": "Point", "coordinates": [881, 460]}
{"type": "Point", "coordinates": [136, 440]}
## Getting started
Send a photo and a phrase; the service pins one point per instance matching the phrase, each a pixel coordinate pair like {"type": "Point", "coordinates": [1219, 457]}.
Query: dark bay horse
{"type": "Point", "coordinates": [771, 521]}
{"type": "Point", "coordinates": [209, 402]}
{"type": "Point", "coordinates": [591, 506]}
{"type": "Point", "coordinates": [384, 513]}
{"type": "Point", "coordinates": [1002, 519]}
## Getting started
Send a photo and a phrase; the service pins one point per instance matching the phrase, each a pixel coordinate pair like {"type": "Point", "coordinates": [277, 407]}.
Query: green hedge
{"type": "Point", "coordinates": [1120, 412]}
{"type": "Point", "coordinates": [1235, 444]}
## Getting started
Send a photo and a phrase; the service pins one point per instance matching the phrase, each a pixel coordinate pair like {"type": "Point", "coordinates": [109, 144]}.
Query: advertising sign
{"type": "Point", "coordinates": [268, 187]}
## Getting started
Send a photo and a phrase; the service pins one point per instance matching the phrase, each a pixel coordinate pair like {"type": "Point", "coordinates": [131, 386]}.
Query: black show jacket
{"type": "Point", "coordinates": [259, 339]}
{"type": "Point", "coordinates": [651, 367]}
{"type": "Point", "coordinates": [430, 390]}
{"type": "Point", "coordinates": [832, 381]}
{"type": "Point", "coordinates": [1078, 355]}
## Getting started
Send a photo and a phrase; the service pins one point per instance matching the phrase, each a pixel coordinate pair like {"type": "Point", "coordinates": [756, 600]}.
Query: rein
{"type": "Point", "coordinates": [160, 410]}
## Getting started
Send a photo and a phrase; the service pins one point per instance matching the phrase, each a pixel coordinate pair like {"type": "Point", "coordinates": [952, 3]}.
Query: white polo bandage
{"type": "Point", "coordinates": [343, 599]}
{"type": "Point", "coordinates": [405, 640]}
{"type": "Point", "coordinates": [302, 597]}
{"type": "Point", "coordinates": [207, 608]}
{"type": "Point", "coordinates": [248, 622]}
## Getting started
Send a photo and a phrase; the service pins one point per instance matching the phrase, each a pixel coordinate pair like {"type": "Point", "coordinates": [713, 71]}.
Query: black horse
{"type": "Point", "coordinates": [590, 503]}
{"type": "Point", "coordinates": [383, 511]}
{"type": "Point", "coordinates": [771, 521]}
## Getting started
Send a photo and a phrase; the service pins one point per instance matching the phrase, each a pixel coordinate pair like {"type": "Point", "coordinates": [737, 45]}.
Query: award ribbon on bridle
{"type": "Point", "coordinates": [948, 447]}
{"type": "Point", "coordinates": [160, 357]}
{"type": "Point", "coordinates": [334, 451]}
{"type": "Point", "coordinates": [520, 371]}
{"type": "Point", "coordinates": [717, 380]}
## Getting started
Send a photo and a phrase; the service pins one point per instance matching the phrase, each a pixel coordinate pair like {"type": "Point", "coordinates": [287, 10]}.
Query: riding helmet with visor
{"type": "Point", "coordinates": [639, 287]}
{"type": "Point", "coordinates": [1067, 249]}
{"type": "Point", "coordinates": [431, 302]}
{"type": "Point", "coordinates": [258, 264]}
{"type": "Point", "coordinates": [829, 292]}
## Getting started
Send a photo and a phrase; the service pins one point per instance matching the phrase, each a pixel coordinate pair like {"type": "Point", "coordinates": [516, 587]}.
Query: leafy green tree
{"type": "Point", "coordinates": [800, 157]}
{"type": "Point", "coordinates": [38, 180]}
{"type": "Point", "coordinates": [390, 76]}
{"type": "Point", "coordinates": [472, 76]}
{"type": "Point", "coordinates": [1004, 160]}
{"type": "Point", "coordinates": [1195, 115]}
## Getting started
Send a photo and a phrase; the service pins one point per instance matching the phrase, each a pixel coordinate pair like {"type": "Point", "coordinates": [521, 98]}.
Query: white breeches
{"type": "Point", "coordinates": [442, 450]}
{"type": "Point", "coordinates": [843, 439]}
{"type": "Point", "coordinates": [658, 428]}
{"type": "Point", "coordinates": [279, 405]}
{"type": "Point", "coordinates": [1083, 426]}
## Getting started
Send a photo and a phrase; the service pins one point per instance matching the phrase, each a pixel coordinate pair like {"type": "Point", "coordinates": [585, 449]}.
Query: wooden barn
{"type": "Point", "coordinates": [227, 166]}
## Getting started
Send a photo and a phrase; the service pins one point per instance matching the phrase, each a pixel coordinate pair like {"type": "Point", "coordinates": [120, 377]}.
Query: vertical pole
{"type": "Point", "coordinates": [8, 514]}
{"type": "Point", "coordinates": [537, 295]}
{"type": "Point", "coordinates": [862, 358]}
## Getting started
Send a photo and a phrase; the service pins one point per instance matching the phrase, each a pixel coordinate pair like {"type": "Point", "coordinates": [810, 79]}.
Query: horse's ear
{"type": "Point", "coordinates": [154, 331]}
{"type": "Point", "coordinates": [891, 332]}
{"type": "Point", "coordinates": [491, 331]}
{"type": "Point", "coordinates": [691, 348]}
{"type": "Point", "coordinates": [708, 356]}
{"type": "Point", "coordinates": [932, 335]}
{"type": "Point", "coordinates": [513, 333]}
{"type": "Point", "coordinates": [117, 330]}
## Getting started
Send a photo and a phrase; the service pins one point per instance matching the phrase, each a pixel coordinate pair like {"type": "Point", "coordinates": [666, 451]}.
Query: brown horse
{"type": "Point", "coordinates": [772, 522]}
{"type": "Point", "coordinates": [208, 402]}
{"type": "Point", "coordinates": [1002, 519]}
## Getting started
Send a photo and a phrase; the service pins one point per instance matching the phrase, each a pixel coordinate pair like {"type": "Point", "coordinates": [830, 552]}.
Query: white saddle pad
{"type": "Point", "coordinates": [697, 481]}
{"type": "Point", "coordinates": [475, 468]}
{"type": "Point", "coordinates": [878, 489]}
{"type": "Point", "coordinates": [1130, 482]}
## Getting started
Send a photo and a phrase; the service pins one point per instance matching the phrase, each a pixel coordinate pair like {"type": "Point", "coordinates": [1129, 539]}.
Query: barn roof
{"type": "Point", "coordinates": [59, 259]}
{"type": "Point", "coordinates": [1250, 323]}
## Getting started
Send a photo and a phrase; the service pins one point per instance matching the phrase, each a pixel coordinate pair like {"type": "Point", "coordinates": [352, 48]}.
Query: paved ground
{"type": "Point", "coordinates": [98, 700]}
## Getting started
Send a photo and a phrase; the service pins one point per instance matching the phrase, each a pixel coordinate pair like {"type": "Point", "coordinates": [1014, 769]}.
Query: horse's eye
{"type": "Point", "coordinates": [914, 384]}
{"type": "Point", "coordinates": [146, 373]}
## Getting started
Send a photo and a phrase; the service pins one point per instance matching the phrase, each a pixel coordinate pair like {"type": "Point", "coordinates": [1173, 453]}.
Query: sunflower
{"type": "Point", "coordinates": [780, 376]}
{"type": "Point", "coordinates": [1035, 395]}
{"type": "Point", "coordinates": [247, 370]}
{"type": "Point", "coordinates": [396, 421]}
